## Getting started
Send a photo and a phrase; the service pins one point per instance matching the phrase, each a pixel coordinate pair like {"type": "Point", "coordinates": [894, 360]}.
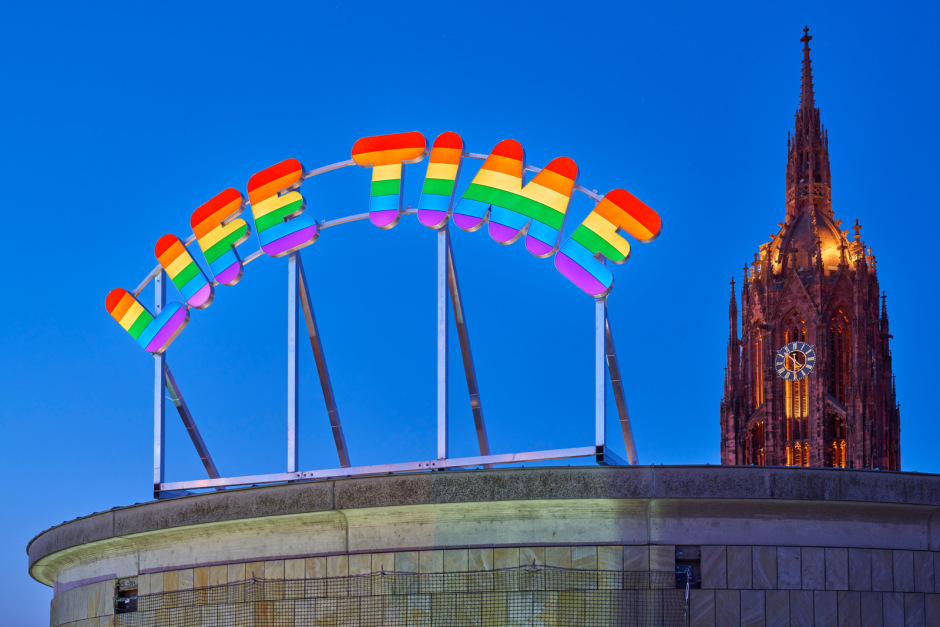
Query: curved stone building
{"type": "Point", "coordinates": [559, 546]}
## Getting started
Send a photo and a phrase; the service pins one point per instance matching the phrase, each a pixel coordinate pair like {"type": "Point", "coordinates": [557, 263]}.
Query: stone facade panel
{"type": "Point", "coordinates": [914, 609]}
{"type": "Point", "coordinates": [764, 572]}
{"type": "Point", "coordinates": [143, 585]}
{"type": "Point", "coordinates": [431, 561]}
{"type": "Point", "coordinates": [837, 569]}
{"type": "Point", "coordinates": [714, 567]}
{"type": "Point", "coordinates": [859, 569]}
{"type": "Point", "coordinates": [585, 557]}
{"type": "Point", "coordinates": [813, 564]}
{"type": "Point", "coordinates": [636, 558]}
{"type": "Point", "coordinates": [789, 568]}
{"type": "Point", "coordinates": [558, 556]}
{"type": "Point", "coordinates": [778, 608]}
{"type": "Point", "coordinates": [752, 608]}
{"type": "Point", "coordinates": [360, 564]}
{"type": "Point", "coordinates": [801, 607]}
{"type": "Point", "coordinates": [903, 571]}
{"type": "Point", "coordinates": [825, 607]}
{"type": "Point", "coordinates": [882, 570]}
{"type": "Point", "coordinates": [383, 562]}
{"type": "Point", "coordinates": [315, 567]}
{"type": "Point", "coordinates": [702, 608]}
{"type": "Point", "coordinates": [739, 567]}
{"type": "Point", "coordinates": [932, 609]}
{"type": "Point", "coordinates": [610, 558]}
{"type": "Point", "coordinates": [531, 555]}
{"type": "Point", "coordinates": [456, 561]}
{"type": "Point", "coordinates": [893, 608]}
{"type": "Point", "coordinates": [254, 570]}
{"type": "Point", "coordinates": [171, 580]}
{"type": "Point", "coordinates": [923, 571]}
{"type": "Point", "coordinates": [872, 605]}
{"type": "Point", "coordinates": [506, 557]}
{"type": "Point", "coordinates": [849, 608]}
{"type": "Point", "coordinates": [728, 607]}
{"type": "Point", "coordinates": [406, 561]}
{"type": "Point", "coordinates": [200, 577]}
{"type": "Point", "coordinates": [273, 569]}
{"type": "Point", "coordinates": [480, 559]}
{"type": "Point", "coordinates": [337, 566]}
{"type": "Point", "coordinates": [295, 569]}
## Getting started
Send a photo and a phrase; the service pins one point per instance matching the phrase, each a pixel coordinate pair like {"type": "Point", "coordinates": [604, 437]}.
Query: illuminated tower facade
{"type": "Point", "coordinates": [814, 284]}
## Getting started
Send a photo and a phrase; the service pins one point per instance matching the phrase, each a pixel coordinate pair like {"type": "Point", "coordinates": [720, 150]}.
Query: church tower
{"type": "Point", "coordinates": [809, 382]}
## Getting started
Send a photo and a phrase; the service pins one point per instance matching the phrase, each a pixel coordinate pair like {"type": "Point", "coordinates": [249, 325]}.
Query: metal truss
{"type": "Point", "coordinates": [298, 300]}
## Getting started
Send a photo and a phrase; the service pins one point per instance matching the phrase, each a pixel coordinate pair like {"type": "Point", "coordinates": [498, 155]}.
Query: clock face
{"type": "Point", "coordinates": [795, 361]}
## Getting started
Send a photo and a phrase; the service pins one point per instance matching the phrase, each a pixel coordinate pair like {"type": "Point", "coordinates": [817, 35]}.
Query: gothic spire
{"type": "Point", "coordinates": [815, 282]}
{"type": "Point", "coordinates": [808, 177]}
{"type": "Point", "coordinates": [884, 314]}
{"type": "Point", "coordinates": [807, 100]}
{"type": "Point", "coordinates": [732, 315]}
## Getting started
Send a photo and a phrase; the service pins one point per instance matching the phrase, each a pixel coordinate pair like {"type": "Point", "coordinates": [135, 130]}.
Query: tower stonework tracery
{"type": "Point", "coordinates": [813, 283]}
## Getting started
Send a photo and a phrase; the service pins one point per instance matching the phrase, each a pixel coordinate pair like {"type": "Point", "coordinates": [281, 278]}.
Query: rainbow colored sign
{"type": "Point", "coordinates": [386, 154]}
{"type": "Point", "coordinates": [498, 196]}
{"type": "Point", "coordinates": [440, 181]}
{"type": "Point", "coordinates": [276, 208]}
{"type": "Point", "coordinates": [154, 334]}
{"type": "Point", "coordinates": [537, 209]}
{"type": "Point", "coordinates": [219, 233]}
{"type": "Point", "coordinates": [579, 258]}
{"type": "Point", "coordinates": [183, 270]}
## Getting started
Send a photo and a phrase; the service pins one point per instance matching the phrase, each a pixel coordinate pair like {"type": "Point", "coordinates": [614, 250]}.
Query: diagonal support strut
{"type": "Point", "coordinates": [180, 403]}
{"type": "Point", "coordinates": [320, 359]}
{"type": "Point", "coordinates": [463, 334]}
{"type": "Point", "coordinates": [617, 384]}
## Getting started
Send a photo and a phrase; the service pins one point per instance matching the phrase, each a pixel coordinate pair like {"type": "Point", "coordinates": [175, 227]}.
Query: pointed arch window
{"type": "Point", "coordinates": [838, 442]}
{"type": "Point", "coordinates": [840, 346]}
{"type": "Point", "coordinates": [796, 399]}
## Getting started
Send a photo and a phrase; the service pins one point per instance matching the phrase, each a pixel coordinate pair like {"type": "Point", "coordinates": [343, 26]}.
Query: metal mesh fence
{"type": "Point", "coordinates": [517, 596]}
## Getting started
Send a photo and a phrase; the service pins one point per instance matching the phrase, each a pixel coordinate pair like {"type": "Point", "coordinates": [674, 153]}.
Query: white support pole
{"type": "Point", "coordinates": [600, 371]}
{"type": "Point", "coordinates": [159, 395]}
{"type": "Point", "coordinates": [442, 343]}
{"type": "Point", "coordinates": [293, 287]}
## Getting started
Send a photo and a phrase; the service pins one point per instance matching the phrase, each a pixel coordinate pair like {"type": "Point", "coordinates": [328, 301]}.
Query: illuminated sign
{"type": "Point", "coordinates": [386, 154]}
{"type": "Point", "coordinates": [498, 197]}
{"type": "Point", "coordinates": [276, 207]}
{"type": "Point", "coordinates": [219, 232]}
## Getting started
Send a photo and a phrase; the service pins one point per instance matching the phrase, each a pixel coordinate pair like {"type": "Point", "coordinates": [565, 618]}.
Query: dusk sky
{"type": "Point", "coordinates": [119, 121]}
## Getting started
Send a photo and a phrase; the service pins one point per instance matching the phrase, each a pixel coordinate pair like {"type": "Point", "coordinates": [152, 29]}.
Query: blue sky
{"type": "Point", "coordinates": [118, 121]}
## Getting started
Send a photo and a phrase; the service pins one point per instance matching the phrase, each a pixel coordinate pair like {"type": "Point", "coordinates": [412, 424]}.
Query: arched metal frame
{"type": "Point", "coordinates": [299, 299]}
